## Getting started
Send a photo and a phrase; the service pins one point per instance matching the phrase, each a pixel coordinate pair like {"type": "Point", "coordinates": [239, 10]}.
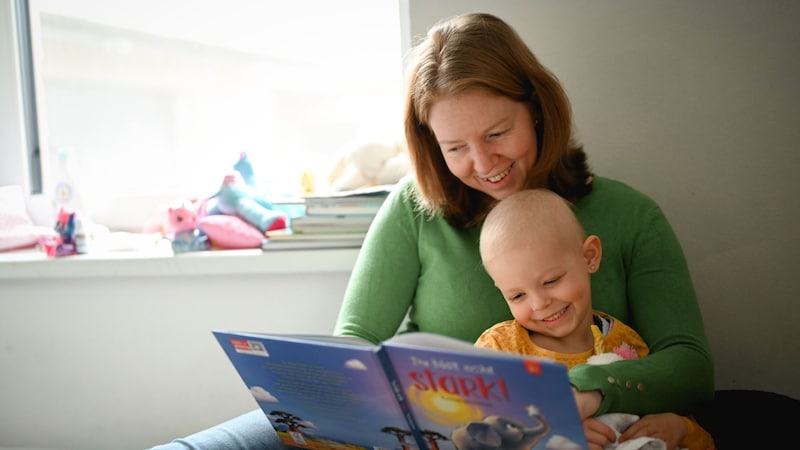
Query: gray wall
{"type": "Point", "coordinates": [696, 104]}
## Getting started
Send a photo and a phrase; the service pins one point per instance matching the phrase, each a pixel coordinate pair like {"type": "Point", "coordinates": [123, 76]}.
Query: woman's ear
{"type": "Point", "coordinates": [592, 253]}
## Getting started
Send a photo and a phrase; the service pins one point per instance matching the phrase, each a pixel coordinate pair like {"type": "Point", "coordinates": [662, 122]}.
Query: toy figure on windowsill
{"type": "Point", "coordinates": [239, 196]}
{"type": "Point", "coordinates": [185, 233]}
{"type": "Point", "coordinates": [63, 244]}
{"type": "Point", "coordinates": [237, 216]}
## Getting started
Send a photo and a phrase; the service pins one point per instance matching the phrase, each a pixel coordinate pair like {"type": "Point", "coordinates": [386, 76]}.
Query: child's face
{"type": "Point", "coordinates": [547, 285]}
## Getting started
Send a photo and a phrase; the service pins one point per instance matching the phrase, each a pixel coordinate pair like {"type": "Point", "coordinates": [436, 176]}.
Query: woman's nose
{"type": "Point", "coordinates": [483, 159]}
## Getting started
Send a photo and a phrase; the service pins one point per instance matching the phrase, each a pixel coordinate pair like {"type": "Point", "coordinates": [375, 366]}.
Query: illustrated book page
{"type": "Point", "coordinates": [415, 391]}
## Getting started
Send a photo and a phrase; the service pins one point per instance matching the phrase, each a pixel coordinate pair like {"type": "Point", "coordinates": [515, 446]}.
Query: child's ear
{"type": "Point", "coordinates": [592, 253]}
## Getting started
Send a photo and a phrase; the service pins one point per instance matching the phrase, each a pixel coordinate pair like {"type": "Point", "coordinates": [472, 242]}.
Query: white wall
{"type": "Point", "coordinates": [696, 104]}
{"type": "Point", "coordinates": [114, 355]}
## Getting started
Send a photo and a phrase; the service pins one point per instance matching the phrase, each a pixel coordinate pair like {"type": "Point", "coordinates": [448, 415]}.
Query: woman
{"type": "Point", "coordinates": [485, 119]}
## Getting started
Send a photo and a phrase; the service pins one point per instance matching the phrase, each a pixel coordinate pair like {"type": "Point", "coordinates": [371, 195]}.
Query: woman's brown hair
{"type": "Point", "coordinates": [480, 51]}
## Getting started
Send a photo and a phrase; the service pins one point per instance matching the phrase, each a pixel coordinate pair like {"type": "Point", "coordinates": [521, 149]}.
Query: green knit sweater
{"type": "Point", "coordinates": [424, 269]}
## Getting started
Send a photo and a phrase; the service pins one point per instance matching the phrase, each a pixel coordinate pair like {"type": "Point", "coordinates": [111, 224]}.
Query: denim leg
{"type": "Point", "coordinates": [250, 431]}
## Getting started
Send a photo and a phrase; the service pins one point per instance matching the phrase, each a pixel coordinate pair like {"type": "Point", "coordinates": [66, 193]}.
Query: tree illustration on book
{"type": "Point", "coordinates": [292, 423]}
{"type": "Point", "coordinates": [433, 438]}
{"type": "Point", "coordinates": [400, 434]}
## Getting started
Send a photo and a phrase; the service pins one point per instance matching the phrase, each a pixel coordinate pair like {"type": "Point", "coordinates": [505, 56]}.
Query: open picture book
{"type": "Point", "coordinates": [414, 391]}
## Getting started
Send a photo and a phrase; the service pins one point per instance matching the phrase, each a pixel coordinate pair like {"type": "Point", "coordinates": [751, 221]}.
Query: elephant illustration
{"type": "Point", "coordinates": [495, 432]}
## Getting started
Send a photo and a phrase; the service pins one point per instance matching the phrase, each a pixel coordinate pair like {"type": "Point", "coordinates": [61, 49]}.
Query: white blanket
{"type": "Point", "coordinates": [619, 422]}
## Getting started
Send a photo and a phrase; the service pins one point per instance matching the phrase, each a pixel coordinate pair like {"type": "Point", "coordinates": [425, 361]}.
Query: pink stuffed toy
{"type": "Point", "coordinates": [184, 231]}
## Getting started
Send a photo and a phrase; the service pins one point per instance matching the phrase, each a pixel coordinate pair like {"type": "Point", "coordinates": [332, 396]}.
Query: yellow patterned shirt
{"type": "Point", "coordinates": [510, 336]}
{"type": "Point", "coordinates": [610, 335]}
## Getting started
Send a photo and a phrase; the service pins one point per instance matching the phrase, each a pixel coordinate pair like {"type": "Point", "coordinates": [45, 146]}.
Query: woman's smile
{"type": "Point", "coordinates": [500, 176]}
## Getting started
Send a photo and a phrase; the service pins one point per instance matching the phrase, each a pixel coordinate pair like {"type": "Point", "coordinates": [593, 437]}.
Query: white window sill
{"type": "Point", "coordinates": [36, 265]}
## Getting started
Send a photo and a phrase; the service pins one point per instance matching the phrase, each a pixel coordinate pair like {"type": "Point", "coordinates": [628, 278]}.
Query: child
{"type": "Point", "coordinates": [540, 258]}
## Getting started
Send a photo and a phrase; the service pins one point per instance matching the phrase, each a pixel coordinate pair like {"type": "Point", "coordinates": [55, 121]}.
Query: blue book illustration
{"type": "Point", "coordinates": [415, 391]}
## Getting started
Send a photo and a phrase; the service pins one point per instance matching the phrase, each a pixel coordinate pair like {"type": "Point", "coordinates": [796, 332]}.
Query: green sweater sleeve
{"type": "Point", "coordinates": [384, 277]}
{"type": "Point", "coordinates": [418, 268]}
{"type": "Point", "coordinates": [646, 283]}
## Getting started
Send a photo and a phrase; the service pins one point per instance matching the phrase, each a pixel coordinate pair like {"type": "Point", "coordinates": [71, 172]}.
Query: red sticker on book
{"type": "Point", "coordinates": [240, 344]}
{"type": "Point", "coordinates": [249, 347]}
{"type": "Point", "coordinates": [533, 367]}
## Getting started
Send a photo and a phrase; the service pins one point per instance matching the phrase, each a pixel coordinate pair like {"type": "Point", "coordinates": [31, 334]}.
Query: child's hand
{"type": "Point", "coordinates": [598, 434]}
{"type": "Point", "coordinates": [668, 427]}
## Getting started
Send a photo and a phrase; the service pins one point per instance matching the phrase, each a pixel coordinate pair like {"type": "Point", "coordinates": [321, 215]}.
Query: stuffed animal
{"type": "Point", "coordinates": [364, 163]}
{"type": "Point", "coordinates": [235, 217]}
{"type": "Point", "coordinates": [236, 198]}
{"type": "Point", "coordinates": [245, 169]}
{"type": "Point", "coordinates": [184, 231]}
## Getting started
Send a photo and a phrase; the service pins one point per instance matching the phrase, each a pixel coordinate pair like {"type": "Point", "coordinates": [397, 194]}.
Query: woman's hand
{"type": "Point", "coordinates": [588, 402]}
{"type": "Point", "coordinates": [668, 427]}
{"type": "Point", "coordinates": [598, 434]}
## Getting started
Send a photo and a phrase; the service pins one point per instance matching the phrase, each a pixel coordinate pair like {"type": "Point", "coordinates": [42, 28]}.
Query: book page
{"type": "Point", "coordinates": [438, 341]}
{"type": "Point", "coordinates": [320, 392]}
{"type": "Point", "coordinates": [459, 394]}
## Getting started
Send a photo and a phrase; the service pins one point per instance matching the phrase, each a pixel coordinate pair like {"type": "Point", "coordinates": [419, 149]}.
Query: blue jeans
{"type": "Point", "coordinates": [250, 431]}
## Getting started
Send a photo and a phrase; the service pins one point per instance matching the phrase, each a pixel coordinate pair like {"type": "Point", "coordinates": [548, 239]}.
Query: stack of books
{"type": "Point", "coordinates": [331, 220]}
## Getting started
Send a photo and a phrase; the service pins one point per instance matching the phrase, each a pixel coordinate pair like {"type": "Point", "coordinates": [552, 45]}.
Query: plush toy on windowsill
{"type": "Point", "coordinates": [237, 215]}
{"type": "Point", "coordinates": [184, 227]}
{"type": "Point", "coordinates": [234, 217]}
{"type": "Point", "coordinates": [236, 198]}
{"type": "Point", "coordinates": [365, 163]}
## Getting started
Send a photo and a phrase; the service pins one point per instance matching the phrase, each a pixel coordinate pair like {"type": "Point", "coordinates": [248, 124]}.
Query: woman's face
{"type": "Point", "coordinates": [488, 140]}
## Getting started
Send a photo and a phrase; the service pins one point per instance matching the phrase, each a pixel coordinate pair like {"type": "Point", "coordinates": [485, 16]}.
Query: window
{"type": "Point", "coordinates": [154, 100]}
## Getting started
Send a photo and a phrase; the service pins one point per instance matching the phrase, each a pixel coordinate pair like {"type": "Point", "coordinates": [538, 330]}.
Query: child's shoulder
{"type": "Point", "coordinates": [620, 338]}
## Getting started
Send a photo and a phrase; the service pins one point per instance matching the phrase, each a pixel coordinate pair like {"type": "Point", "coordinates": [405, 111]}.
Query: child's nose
{"type": "Point", "coordinates": [539, 302]}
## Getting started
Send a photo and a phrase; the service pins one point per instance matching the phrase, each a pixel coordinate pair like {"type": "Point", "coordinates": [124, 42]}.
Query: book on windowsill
{"type": "Point", "coordinates": [312, 241]}
{"type": "Point", "coordinates": [368, 207]}
{"type": "Point", "coordinates": [359, 202]}
{"type": "Point", "coordinates": [414, 391]}
{"type": "Point", "coordinates": [330, 224]}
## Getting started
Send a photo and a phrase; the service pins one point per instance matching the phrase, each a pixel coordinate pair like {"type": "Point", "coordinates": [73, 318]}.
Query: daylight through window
{"type": "Point", "coordinates": [153, 100]}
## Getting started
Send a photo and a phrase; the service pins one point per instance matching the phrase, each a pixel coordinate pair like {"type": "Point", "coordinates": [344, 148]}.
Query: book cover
{"type": "Point", "coordinates": [467, 398]}
{"type": "Point", "coordinates": [320, 393]}
{"type": "Point", "coordinates": [330, 224]}
{"type": "Point", "coordinates": [415, 391]}
{"type": "Point", "coordinates": [379, 191]}
{"type": "Point", "coordinates": [361, 202]}
{"type": "Point", "coordinates": [313, 241]}
{"type": "Point", "coordinates": [344, 208]}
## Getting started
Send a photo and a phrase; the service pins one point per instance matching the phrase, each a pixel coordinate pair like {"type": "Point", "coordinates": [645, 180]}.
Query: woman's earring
{"type": "Point", "coordinates": [592, 267]}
